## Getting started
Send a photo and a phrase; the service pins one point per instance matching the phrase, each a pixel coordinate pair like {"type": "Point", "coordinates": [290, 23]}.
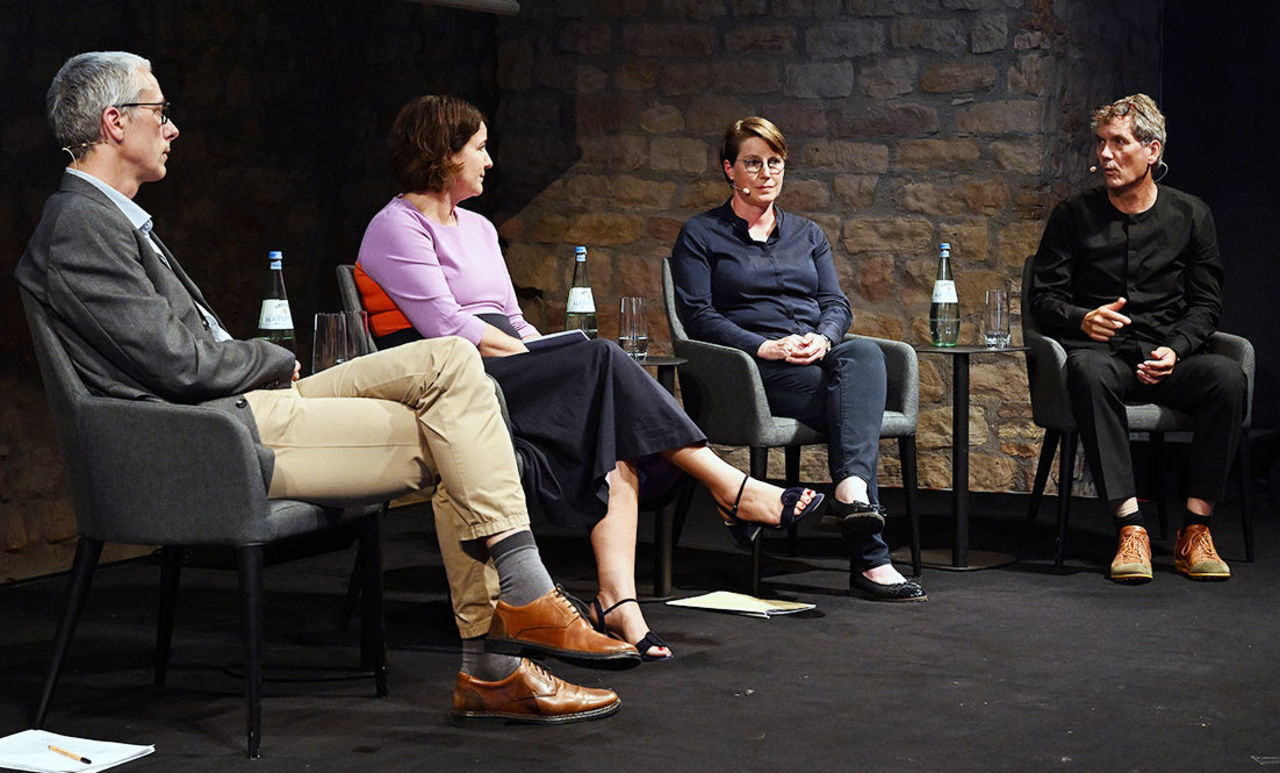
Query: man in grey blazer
{"type": "Point", "coordinates": [377, 427]}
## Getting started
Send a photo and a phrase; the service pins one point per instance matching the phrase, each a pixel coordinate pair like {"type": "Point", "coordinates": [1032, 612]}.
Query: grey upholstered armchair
{"type": "Point", "coordinates": [1051, 409]}
{"type": "Point", "coordinates": [723, 393]}
{"type": "Point", "coordinates": [157, 473]}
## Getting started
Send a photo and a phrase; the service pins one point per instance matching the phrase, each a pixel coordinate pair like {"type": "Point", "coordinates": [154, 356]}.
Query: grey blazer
{"type": "Point", "coordinates": [129, 321]}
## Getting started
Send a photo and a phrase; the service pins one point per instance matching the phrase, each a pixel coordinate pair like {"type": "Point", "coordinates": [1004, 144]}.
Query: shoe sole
{"type": "Point", "coordinates": [872, 597]}
{"type": "Point", "coordinates": [479, 717]}
{"type": "Point", "coordinates": [1201, 575]}
{"type": "Point", "coordinates": [526, 649]}
{"type": "Point", "coordinates": [1132, 579]}
{"type": "Point", "coordinates": [863, 525]}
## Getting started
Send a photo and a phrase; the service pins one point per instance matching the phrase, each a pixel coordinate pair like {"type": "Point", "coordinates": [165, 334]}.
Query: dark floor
{"type": "Point", "coordinates": [1016, 668]}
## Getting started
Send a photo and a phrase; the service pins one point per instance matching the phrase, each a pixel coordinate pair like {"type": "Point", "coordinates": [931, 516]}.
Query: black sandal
{"type": "Point", "coordinates": [747, 531]}
{"type": "Point", "coordinates": [649, 641]}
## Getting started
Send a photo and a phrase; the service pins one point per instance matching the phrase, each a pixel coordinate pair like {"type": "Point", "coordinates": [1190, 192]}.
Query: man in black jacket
{"type": "Point", "coordinates": [1129, 279]}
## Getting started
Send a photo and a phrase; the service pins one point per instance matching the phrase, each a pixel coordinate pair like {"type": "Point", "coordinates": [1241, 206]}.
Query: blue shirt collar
{"type": "Point", "coordinates": [136, 215]}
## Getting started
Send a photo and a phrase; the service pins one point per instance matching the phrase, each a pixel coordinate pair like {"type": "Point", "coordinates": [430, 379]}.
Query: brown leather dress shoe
{"type": "Point", "coordinates": [531, 694]}
{"type": "Point", "coordinates": [552, 625]}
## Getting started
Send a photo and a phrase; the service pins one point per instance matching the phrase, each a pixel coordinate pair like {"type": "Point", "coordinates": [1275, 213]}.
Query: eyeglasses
{"type": "Point", "coordinates": [754, 165]}
{"type": "Point", "coordinates": [163, 112]}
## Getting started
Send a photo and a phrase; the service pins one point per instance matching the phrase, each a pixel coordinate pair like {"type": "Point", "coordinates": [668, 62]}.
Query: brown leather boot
{"type": "Point", "coordinates": [531, 694]}
{"type": "Point", "coordinates": [1195, 556]}
{"type": "Point", "coordinates": [552, 625]}
{"type": "Point", "coordinates": [1133, 557]}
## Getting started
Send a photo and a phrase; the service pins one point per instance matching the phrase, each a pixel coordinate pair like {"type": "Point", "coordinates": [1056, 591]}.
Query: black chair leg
{"type": "Point", "coordinates": [373, 639]}
{"type": "Point", "coordinates": [350, 600]}
{"type": "Point", "coordinates": [1048, 449]}
{"type": "Point", "coordinates": [907, 456]}
{"type": "Point", "coordinates": [663, 527]}
{"type": "Point", "coordinates": [1243, 459]}
{"type": "Point", "coordinates": [792, 456]}
{"type": "Point", "coordinates": [249, 565]}
{"type": "Point", "coordinates": [668, 525]}
{"type": "Point", "coordinates": [82, 568]}
{"type": "Point", "coordinates": [170, 571]}
{"type": "Point", "coordinates": [1158, 456]}
{"type": "Point", "coordinates": [1066, 471]}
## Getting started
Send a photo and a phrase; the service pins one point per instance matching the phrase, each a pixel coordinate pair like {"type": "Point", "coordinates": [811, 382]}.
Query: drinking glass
{"type": "Point", "coordinates": [633, 327]}
{"type": "Point", "coordinates": [339, 336]}
{"type": "Point", "coordinates": [995, 319]}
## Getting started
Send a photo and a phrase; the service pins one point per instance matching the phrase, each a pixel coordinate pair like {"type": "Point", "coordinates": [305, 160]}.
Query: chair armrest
{"type": "Point", "coordinates": [1047, 378]}
{"type": "Point", "coordinates": [902, 374]}
{"type": "Point", "coordinates": [723, 392]}
{"type": "Point", "coordinates": [1240, 349]}
{"type": "Point", "coordinates": [145, 464]}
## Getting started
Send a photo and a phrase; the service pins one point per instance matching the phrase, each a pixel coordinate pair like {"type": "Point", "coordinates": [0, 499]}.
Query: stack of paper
{"type": "Point", "coordinates": [40, 751]}
{"type": "Point", "coordinates": [742, 604]}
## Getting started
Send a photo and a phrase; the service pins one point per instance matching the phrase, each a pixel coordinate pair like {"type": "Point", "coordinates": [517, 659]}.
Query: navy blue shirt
{"type": "Point", "coordinates": [736, 291]}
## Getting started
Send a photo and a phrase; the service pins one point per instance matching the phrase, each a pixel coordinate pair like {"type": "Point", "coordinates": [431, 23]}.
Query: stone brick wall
{"type": "Point", "coordinates": [910, 122]}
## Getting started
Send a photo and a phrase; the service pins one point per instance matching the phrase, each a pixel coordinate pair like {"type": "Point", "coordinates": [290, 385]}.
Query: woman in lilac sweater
{"type": "Point", "coordinates": [594, 431]}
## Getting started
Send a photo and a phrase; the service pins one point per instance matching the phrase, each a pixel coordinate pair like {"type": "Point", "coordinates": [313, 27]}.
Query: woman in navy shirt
{"type": "Point", "coordinates": [752, 276]}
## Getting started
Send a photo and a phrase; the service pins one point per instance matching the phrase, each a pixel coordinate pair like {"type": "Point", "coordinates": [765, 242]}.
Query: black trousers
{"type": "Point", "coordinates": [1209, 387]}
{"type": "Point", "coordinates": [843, 395]}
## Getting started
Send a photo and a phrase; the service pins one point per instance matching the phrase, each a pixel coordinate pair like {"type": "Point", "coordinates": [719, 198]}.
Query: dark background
{"type": "Point", "coordinates": [1219, 76]}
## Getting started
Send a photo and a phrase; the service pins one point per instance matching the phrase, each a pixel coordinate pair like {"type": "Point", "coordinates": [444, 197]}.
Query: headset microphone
{"type": "Point", "coordinates": [746, 190]}
{"type": "Point", "coordinates": [1093, 169]}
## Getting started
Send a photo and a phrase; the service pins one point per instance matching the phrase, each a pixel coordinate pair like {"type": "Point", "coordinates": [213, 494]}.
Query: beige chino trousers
{"type": "Point", "coordinates": [391, 423]}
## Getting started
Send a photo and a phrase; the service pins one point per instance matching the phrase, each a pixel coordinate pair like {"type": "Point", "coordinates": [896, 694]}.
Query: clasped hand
{"type": "Point", "coordinates": [795, 349]}
{"type": "Point", "coordinates": [1154, 370]}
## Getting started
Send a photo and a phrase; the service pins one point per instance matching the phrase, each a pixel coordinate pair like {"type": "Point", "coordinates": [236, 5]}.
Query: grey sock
{"type": "Point", "coordinates": [521, 575]}
{"type": "Point", "coordinates": [489, 666]}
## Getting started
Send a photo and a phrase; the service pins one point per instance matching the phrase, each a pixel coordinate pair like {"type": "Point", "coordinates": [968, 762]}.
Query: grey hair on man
{"type": "Point", "coordinates": [1148, 121]}
{"type": "Point", "coordinates": [85, 86]}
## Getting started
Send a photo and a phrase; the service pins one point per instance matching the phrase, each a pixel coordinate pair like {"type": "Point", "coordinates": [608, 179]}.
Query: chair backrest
{"type": "Point", "coordinates": [62, 385]}
{"type": "Point", "coordinates": [350, 295]}
{"type": "Point", "coordinates": [669, 304]}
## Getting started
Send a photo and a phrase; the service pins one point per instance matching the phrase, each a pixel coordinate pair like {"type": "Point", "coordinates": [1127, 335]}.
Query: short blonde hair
{"type": "Point", "coordinates": [1148, 121]}
{"type": "Point", "coordinates": [744, 129]}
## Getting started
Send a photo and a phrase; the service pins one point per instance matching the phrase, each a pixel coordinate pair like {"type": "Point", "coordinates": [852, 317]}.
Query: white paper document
{"type": "Point", "coordinates": [552, 340]}
{"type": "Point", "coordinates": [36, 751]}
{"type": "Point", "coordinates": [741, 604]}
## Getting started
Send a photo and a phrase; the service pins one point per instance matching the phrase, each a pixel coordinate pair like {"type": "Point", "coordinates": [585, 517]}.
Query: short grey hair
{"type": "Point", "coordinates": [85, 86]}
{"type": "Point", "coordinates": [1148, 121]}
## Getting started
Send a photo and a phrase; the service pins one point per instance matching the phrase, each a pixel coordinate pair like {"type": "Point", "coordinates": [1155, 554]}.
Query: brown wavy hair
{"type": "Point", "coordinates": [426, 134]}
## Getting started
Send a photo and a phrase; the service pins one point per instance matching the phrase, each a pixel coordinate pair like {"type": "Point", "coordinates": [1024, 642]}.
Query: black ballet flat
{"type": "Point", "coordinates": [746, 532]}
{"type": "Point", "coordinates": [910, 590]}
{"type": "Point", "coordinates": [854, 517]}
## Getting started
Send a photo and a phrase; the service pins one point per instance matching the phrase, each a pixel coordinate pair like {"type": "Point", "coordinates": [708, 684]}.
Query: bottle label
{"type": "Point", "coordinates": [944, 291]}
{"type": "Point", "coordinates": [275, 315]}
{"type": "Point", "coordinates": [581, 301]}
